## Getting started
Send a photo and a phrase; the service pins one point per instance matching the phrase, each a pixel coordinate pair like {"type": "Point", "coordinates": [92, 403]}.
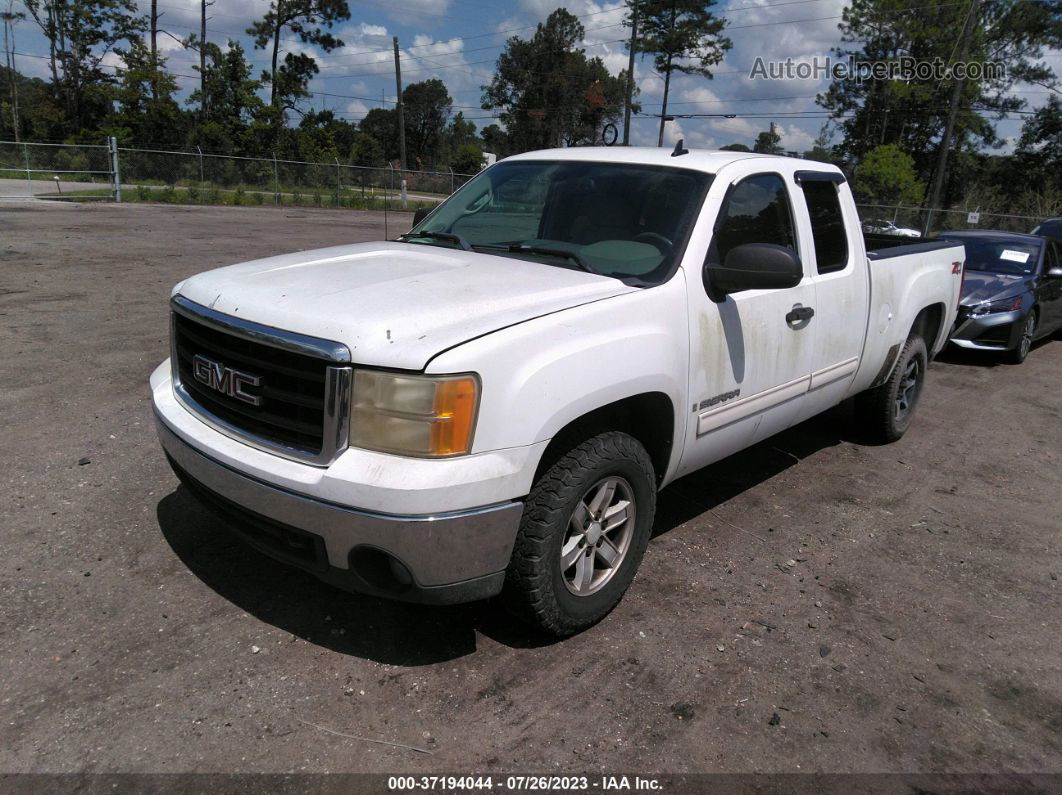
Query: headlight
{"type": "Point", "coordinates": [416, 415]}
{"type": "Point", "coordinates": [1003, 305]}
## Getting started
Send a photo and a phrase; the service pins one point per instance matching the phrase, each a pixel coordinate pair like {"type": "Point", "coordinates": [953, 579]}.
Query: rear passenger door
{"type": "Point", "coordinates": [841, 282]}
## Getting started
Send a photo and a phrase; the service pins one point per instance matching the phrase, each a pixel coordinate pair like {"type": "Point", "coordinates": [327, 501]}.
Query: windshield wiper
{"type": "Point", "coordinates": [523, 248]}
{"type": "Point", "coordinates": [449, 237]}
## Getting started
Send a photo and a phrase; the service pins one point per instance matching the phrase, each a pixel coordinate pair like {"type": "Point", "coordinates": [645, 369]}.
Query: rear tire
{"type": "Point", "coordinates": [584, 530]}
{"type": "Point", "coordinates": [1028, 331]}
{"type": "Point", "coordinates": [885, 412]}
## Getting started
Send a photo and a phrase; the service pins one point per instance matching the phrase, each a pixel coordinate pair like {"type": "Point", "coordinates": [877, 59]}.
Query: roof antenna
{"type": "Point", "coordinates": [680, 149]}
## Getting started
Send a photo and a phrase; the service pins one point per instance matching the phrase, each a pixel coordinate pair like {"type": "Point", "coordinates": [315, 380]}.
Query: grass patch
{"type": "Point", "coordinates": [239, 197]}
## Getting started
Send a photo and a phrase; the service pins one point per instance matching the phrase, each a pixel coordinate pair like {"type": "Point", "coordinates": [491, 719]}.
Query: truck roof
{"type": "Point", "coordinates": [708, 160]}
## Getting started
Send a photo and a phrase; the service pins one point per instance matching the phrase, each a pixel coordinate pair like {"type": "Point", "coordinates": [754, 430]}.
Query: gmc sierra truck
{"type": "Point", "coordinates": [490, 403]}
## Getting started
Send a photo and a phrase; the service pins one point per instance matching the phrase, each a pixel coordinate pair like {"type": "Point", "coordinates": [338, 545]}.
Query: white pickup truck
{"type": "Point", "coordinates": [490, 403]}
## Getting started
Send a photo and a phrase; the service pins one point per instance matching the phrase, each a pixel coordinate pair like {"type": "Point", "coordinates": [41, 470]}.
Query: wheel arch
{"type": "Point", "coordinates": [929, 325]}
{"type": "Point", "coordinates": [649, 417]}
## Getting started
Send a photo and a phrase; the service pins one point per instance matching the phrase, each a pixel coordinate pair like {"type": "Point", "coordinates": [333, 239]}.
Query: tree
{"type": "Point", "coordinates": [382, 124]}
{"type": "Point", "coordinates": [309, 21]}
{"type": "Point", "coordinates": [681, 36]}
{"type": "Point", "coordinates": [459, 142]}
{"type": "Point", "coordinates": [426, 108]}
{"type": "Point", "coordinates": [146, 108]}
{"type": "Point", "coordinates": [913, 113]}
{"type": "Point", "coordinates": [495, 140]}
{"type": "Point", "coordinates": [80, 35]}
{"type": "Point", "coordinates": [10, 18]}
{"type": "Point", "coordinates": [231, 101]}
{"type": "Point", "coordinates": [1039, 149]}
{"type": "Point", "coordinates": [545, 88]}
{"type": "Point", "coordinates": [822, 150]}
{"type": "Point", "coordinates": [887, 175]}
{"type": "Point", "coordinates": [366, 151]}
{"type": "Point", "coordinates": [768, 142]}
{"type": "Point", "coordinates": [468, 159]}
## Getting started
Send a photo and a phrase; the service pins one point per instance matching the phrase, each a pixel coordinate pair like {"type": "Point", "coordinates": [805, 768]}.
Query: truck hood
{"type": "Point", "coordinates": [978, 286]}
{"type": "Point", "coordinates": [395, 304]}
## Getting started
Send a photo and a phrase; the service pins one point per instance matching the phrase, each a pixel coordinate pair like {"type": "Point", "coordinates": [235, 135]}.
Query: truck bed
{"type": "Point", "coordinates": [905, 278]}
{"type": "Point", "coordinates": [885, 246]}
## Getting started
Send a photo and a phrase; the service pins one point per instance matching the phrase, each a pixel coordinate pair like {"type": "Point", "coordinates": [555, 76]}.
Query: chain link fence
{"type": "Point", "coordinates": [908, 221]}
{"type": "Point", "coordinates": [130, 174]}
{"type": "Point", "coordinates": [113, 172]}
{"type": "Point", "coordinates": [34, 169]}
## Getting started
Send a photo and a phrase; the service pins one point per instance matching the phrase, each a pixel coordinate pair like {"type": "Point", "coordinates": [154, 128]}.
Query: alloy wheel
{"type": "Point", "coordinates": [1026, 335]}
{"type": "Point", "coordinates": [598, 537]}
{"type": "Point", "coordinates": [908, 391]}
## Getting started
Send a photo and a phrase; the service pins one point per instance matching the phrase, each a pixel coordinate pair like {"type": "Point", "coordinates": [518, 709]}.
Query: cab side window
{"type": "Point", "coordinates": [827, 225]}
{"type": "Point", "coordinates": [757, 211]}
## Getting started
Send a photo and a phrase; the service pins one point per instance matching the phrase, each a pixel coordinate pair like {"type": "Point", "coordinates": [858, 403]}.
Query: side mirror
{"type": "Point", "coordinates": [420, 214]}
{"type": "Point", "coordinates": [1054, 272]}
{"type": "Point", "coordinates": [755, 266]}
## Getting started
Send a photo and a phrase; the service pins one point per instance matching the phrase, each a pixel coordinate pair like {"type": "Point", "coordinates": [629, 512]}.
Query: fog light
{"type": "Point", "coordinates": [380, 569]}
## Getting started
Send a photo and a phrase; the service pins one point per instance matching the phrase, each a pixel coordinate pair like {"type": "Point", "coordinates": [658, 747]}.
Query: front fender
{"type": "Point", "coordinates": [541, 375]}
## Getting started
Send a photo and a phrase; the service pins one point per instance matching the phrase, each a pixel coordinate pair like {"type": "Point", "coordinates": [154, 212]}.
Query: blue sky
{"type": "Point", "coordinates": [458, 41]}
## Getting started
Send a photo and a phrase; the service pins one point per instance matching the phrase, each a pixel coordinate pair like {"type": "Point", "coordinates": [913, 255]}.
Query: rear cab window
{"type": "Point", "coordinates": [829, 237]}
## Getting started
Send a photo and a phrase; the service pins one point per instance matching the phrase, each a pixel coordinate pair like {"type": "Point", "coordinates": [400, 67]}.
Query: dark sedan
{"type": "Point", "coordinates": [1011, 291]}
{"type": "Point", "coordinates": [1052, 227]}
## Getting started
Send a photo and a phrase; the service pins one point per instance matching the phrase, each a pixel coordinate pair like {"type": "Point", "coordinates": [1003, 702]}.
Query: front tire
{"type": "Point", "coordinates": [1028, 331]}
{"type": "Point", "coordinates": [584, 530]}
{"type": "Point", "coordinates": [885, 412]}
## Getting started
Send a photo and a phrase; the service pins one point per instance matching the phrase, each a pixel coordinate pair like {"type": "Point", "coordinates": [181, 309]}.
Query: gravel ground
{"type": "Point", "coordinates": [811, 604]}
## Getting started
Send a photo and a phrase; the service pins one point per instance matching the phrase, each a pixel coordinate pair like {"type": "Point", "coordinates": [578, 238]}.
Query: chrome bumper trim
{"type": "Point", "coordinates": [438, 549]}
{"type": "Point", "coordinates": [266, 335]}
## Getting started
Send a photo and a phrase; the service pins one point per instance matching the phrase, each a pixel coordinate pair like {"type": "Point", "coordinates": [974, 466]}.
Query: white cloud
{"type": "Point", "coordinates": [794, 138]}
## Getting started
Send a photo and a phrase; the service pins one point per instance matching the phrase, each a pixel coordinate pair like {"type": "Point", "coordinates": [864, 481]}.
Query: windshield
{"type": "Point", "coordinates": [626, 221]}
{"type": "Point", "coordinates": [1000, 256]}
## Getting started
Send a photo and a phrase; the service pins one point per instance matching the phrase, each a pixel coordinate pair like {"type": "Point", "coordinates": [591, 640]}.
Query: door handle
{"type": "Point", "coordinates": [799, 314]}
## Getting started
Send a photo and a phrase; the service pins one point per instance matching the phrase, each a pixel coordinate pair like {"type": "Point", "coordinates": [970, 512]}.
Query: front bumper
{"type": "Point", "coordinates": [995, 331]}
{"type": "Point", "coordinates": [447, 527]}
{"type": "Point", "coordinates": [442, 559]}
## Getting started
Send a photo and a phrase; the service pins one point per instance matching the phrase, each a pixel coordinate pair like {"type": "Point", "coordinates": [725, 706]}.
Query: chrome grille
{"type": "Point", "coordinates": [301, 384]}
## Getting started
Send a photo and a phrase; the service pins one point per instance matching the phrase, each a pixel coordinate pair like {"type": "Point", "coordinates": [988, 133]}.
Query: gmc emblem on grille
{"type": "Point", "coordinates": [225, 380]}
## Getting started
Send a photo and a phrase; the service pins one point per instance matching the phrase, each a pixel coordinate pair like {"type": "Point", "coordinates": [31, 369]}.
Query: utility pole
{"type": "Point", "coordinates": [957, 86]}
{"type": "Point", "coordinates": [401, 126]}
{"type": "Point", "coordinates": [10, 17]}
{"type": "Point", "coordinates": [154, 49]}
{"type": "Point", "coordinates": [202, 58]}
{"type": "Point", "coordinates": [667, 80]}
{"type": "Point", "coordinates": [630, 77]}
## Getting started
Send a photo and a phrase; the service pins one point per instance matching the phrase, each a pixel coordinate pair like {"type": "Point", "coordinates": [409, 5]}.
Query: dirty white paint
{"type": "Point", "coordinates": [552, 344]}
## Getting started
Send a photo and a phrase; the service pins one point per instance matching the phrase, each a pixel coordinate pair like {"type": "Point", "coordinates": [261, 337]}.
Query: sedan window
{"type": "Point", "coordinates": [1001, 256]}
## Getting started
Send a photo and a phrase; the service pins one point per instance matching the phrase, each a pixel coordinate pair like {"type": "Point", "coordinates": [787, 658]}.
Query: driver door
{"type": "Point", "coordinates": [750, 356]}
